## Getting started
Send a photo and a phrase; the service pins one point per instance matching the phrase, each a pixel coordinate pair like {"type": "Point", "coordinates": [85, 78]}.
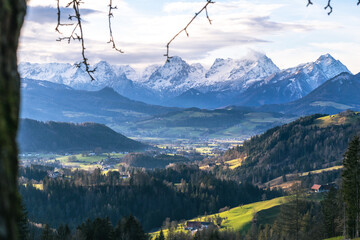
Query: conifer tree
{"type": "Point", "coordinates": [47, 233]}
{"type": "Point", "coordinates": [351, 185]}
{"type": "Point", "coordinates": [290, 219]}
{"type": "Point", "coordinates": [133, 229]}
{"type": "Point", "coordinates": [330, 210]}
{"type": "Point", "coordinates": [23, 224]}
{"type": "Point", "coordinates": [63, 232]}
{"type": "Point", "coordinates": [161, 235]}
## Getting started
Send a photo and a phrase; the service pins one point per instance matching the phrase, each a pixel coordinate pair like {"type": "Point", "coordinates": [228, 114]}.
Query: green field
{"type": "Point", "coordinates": [85, 162]}
{"type": "Point", "coordinates": [239, 218]}
{"type": "Point", "coordinates": [234, 163]}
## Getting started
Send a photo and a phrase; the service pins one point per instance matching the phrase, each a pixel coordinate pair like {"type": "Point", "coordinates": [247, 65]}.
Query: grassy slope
{"type": "Point", "coordinates": [238, 218]}
{"type": "Point", "coordinates": [235, 163]}
{"type": "Point", "coordinates": [337, 119]}
{"type": "Point", "coordinates": [292, 178]}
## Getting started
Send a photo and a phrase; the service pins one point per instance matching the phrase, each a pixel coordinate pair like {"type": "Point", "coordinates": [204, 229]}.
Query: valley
{"type": "Point", "coordinates": [229, 146]}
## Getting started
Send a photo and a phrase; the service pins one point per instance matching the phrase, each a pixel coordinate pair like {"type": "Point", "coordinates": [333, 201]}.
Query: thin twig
{"type": "Point", "coordinates": [76, 4]}
{"type": "Point", "coordinates": [59, 24]}
{"type": "Point", "coordinates": [329, 6]}
{"type": "Point", "coordinates": [110, 29]}
{"type": "Point", "coordinates": [167, 55]}
{"type": "Point", "coordinates": [74, 36]}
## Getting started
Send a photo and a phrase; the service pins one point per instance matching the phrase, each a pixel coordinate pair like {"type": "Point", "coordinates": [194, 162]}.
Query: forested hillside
{"type": "Point", "coordinates": [180, 192]}
{"type": "Point", "coordinates": [35, 136]}
{"type": "Point", "coordinates": [309, 143]}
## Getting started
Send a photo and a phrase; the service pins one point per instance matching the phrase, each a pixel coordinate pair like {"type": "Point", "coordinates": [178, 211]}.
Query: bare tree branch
{"type": "Point", "coordinates": [74, 36]}
{"type": "Point", "coordinates": [327, 6]}
{"type": "Point", "coordinates": [167, 55]}
{"type": "Point", "coordinates": [110, 29]}
{"type": "Point", "coordinates": [59, 24]}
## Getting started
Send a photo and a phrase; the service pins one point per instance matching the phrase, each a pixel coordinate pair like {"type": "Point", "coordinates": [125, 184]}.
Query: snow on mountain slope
{"type": "Point", "coordinates": [229, 74]}
{"type": "Point", "coordinates": [293, 83]}
{"type": "Point", "coordinates": [57, 72]}
{"type": "Point", "coordinates": [174, 77]}
{"type": "Point", "coordinates": [147, 72]}
{"type": "Point", "coordinates": [253, 80]}
{"type": "Point", "coordinates": [68, 74]}
{"type": "Point", "coordinates": [313, 74]}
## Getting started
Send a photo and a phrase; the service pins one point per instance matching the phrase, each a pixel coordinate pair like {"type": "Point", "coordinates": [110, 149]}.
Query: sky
{"type": "Point", "coordinates": [286, 31]}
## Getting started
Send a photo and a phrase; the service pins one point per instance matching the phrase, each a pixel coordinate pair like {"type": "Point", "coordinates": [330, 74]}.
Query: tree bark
{"type": "Point", "coordinates": [12, 14]}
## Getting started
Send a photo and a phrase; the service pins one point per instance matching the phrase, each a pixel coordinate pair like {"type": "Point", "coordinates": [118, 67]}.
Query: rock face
{"type": "Point", "coordinates": [253, 80]}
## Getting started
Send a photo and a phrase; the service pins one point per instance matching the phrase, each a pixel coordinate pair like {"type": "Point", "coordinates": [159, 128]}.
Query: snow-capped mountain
{"type": "Point", "coordinates": [177, 76]}
{"type": "Point", "coordinates": [64, 73]}
{"type": "Point", "coordinates": [174, 73]}
{"type": "Point", "coordinates": [335, 95]}
{"type": "Point", "coordinates": [122, 78]}
{"type": "Point", "coordinates": [173, 78]}
{"type": "Point", "coordinates": [293, 83]}
{"type": "Point", "coordinates": [230, 74]}
{"type": "Point", "coordinates": [252, 80]}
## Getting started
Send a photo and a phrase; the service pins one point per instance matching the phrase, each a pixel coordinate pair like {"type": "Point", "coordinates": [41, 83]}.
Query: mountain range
{"type": "Point", "coordinates": [335, 95]}
{"type": "Point", "coordinates": [47, 101]}
{"type": "Point", "coordinates": [251, 81]}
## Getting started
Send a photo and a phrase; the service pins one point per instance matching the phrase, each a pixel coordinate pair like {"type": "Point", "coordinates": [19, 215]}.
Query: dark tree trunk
{"type": "Point", "coordinates": [12, 14]}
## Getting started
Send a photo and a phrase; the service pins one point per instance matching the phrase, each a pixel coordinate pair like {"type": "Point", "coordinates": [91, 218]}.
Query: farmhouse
{"type": "Point", "coordinates": [55, 174]}
{"type": "Point", "coordinates": [321, 188]}
{"type": "Point", "coordinates": [194, 225]}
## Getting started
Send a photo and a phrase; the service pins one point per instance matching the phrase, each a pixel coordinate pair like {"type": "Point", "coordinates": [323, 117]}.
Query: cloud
{"type": "Point", "coordinates": [282, 29]}
{"type": "Point", "coordinates": [47, 14]}
{"type": "Point", "coordinates": [264, 24]}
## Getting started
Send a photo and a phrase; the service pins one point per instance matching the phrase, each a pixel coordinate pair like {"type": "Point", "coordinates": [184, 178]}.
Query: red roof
{"type": "Point", "coordinates": [316, 187]}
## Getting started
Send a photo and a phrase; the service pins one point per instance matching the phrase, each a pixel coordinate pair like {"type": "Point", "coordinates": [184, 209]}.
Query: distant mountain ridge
{"type": "Point", "coordinates": [292, 84]}
{"type": "Point", "coordinates": [47, 101]}
{"type": "Point", "coordinates": [43, 100]}
{"type": "Point", "coordinates": [335, 95]}
{"type": "Point", "coordinates": [35, 136]}
{"type": "Point", "coordinates": [251, 81]}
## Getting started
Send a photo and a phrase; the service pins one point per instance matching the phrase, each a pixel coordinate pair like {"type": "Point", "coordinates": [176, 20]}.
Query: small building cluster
{"type": "Point", "coordinates": [55, 173]}
{"type": "Point", "coordinates": [197, 226]}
